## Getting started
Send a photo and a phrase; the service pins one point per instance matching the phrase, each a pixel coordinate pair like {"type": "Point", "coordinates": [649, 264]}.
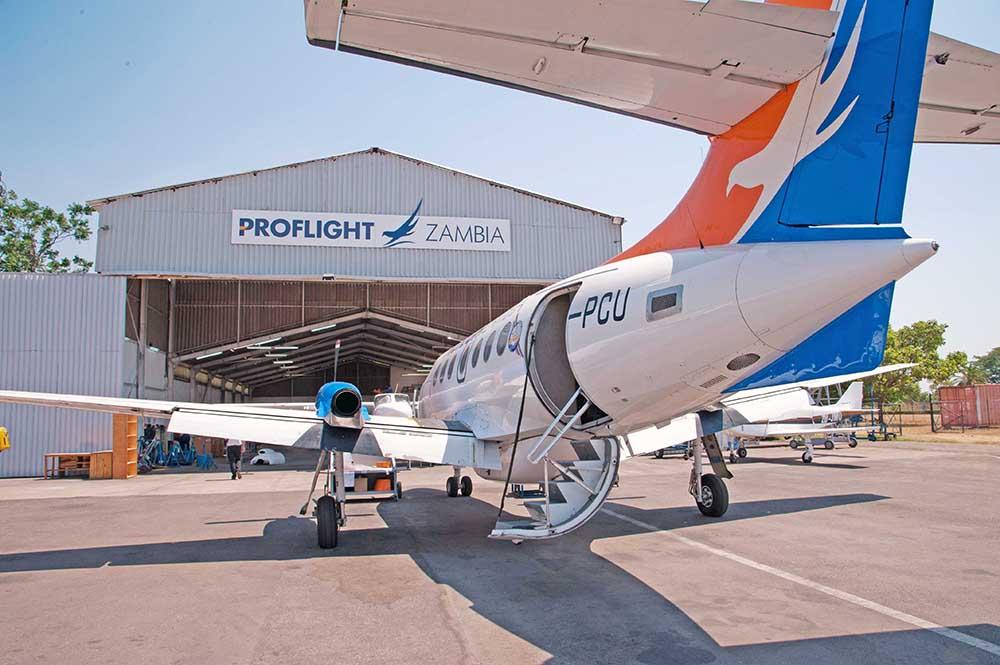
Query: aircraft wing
{"type": "Point", "coordinates": [791, 429]}
{"type": "Point", "coordinates": [432, 441]}
{"type": "Point", "coordinates": [701, 66]}
{"type": "Point", "coordinates": [960, 98]}
{"type": "Point", "coordinates": [753, 394]}
{"type": "Point", "coordinates": [679, 430]}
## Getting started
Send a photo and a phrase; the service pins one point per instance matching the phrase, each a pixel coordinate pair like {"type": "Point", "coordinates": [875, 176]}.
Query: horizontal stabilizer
{"type": "Point", "coordinates": [698, 66]}
{"type": "Point", "coordinates": [960, 99]}
{"type": "Point", "coordinates": [694, 65]}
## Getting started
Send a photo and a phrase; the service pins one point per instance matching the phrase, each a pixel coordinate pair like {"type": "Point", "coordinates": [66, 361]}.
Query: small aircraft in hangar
{"type": "Point", "coordinates": [784, 411]}
{"type": "Point", "coordinates": [811, 116]}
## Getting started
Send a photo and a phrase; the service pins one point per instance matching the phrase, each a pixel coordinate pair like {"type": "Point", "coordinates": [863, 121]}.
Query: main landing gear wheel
{"type": "Point", "coordinates": [451, 485]}
{"type": "Point", "coordinates": [742, 452]}
{"type": "Point", "coordinates": [327, 521]}
{"type": "Point", "coordinates": [466, 486]}
{"type": "Point", "coordinates": [807, 457]}
{"type": "Point", "coordinates": [828, 444]}
{"type": "Point", "coordinates": [714, 496]}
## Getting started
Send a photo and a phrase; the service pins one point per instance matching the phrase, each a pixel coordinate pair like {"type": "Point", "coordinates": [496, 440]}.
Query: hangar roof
{"type": "Point", "coordinates": [195, 229]}
{"type": "Point", "coordinates": [375, 150]}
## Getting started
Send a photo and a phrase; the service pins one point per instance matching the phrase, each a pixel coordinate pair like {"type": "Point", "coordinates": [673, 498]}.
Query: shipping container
{"type": "Point", "coordinates": [970, 406]}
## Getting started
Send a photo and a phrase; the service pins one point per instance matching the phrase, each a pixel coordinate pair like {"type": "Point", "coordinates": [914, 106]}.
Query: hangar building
{"type": "Point", "coordinates": [263, 285]}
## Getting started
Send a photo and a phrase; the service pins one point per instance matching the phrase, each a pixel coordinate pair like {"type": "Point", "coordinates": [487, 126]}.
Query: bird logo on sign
{"type": "Point", "coordinates": [395, 237]}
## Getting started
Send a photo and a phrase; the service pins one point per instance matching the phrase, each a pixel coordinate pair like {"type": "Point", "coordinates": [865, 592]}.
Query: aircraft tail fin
{"type": "Point", "coordinates": [852, 397]}
{"type": "Point", "coordinates": [827, 158]}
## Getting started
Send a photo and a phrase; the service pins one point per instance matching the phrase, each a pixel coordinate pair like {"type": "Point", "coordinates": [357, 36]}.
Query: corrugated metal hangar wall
{"type": "Point", "coordinates": [186, 229]}
{"type": "Point", "coordinates": [248, 286]}
{"type": "Point", "coordinates": [60, 333]}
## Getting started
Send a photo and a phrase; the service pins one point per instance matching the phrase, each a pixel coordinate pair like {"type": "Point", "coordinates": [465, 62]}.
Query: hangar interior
{"type": "Point", "coordinates": [274, 340]}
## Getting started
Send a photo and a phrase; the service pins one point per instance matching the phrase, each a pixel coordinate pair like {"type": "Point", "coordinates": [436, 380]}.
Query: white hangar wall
{"type": "Point", "coordinates": [186, 229]}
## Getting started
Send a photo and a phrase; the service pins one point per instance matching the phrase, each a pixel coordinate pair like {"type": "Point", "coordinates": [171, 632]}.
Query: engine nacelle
{"type": "Point", "coordinates": [338, 403]}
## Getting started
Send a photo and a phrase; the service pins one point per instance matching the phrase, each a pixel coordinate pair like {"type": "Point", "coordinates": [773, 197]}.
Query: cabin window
{"type": "Point", "coordinates": [664, 302]}
{"type": "Point", "coordinates": [462, 360]}
{"type": "Point", "coordinates": [451, 366]}
{"type": "Point", "coordinates": [502, 339]}
{"type": "Point", "coordinates": [488, 346]}
{"type": "Point", "coordinates": [475, 352]}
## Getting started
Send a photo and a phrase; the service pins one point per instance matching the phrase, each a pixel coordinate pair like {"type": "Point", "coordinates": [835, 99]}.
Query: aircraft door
{"type": "Point", "coordinates": [551, 374]}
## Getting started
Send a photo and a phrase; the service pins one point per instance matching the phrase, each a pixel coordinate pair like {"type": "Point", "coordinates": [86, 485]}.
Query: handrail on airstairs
{"type": "Point", "coordinates": [543, 447]}
{"type": "Point", "coordinates": [570, 509]}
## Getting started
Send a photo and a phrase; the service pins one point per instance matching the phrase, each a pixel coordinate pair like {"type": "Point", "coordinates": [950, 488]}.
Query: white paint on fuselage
{"type": "Point", "coordinates": [763, 299]}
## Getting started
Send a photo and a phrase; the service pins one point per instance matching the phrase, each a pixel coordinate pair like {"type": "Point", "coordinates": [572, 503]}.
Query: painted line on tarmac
{"type": "Point", "coordinates": [943, 631]}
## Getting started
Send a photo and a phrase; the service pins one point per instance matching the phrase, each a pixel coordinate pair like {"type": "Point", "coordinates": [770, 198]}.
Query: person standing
{"type": "Point", "coordinates": [234, 453]}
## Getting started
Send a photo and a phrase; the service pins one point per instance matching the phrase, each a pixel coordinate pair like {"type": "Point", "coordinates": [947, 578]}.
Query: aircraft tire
{"type": "Point", "coordinates": [326, 522]}
{"type": "Point", "coordinates": [466, 486]}
{"type": "Point", "coordinates": [451, 486]}
{"type": "Point", "coordinates": [742, 452]}
{"type": "Point", "coordinates": [828, 444]}
{"type": "Point", "coordinates": [807, 458]}
{"type": "Point", "coordinates": [715, 496]}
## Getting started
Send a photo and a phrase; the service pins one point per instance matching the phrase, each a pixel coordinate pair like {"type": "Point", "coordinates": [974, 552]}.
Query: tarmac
{"type": "Point", "coordinates": [887, 553]}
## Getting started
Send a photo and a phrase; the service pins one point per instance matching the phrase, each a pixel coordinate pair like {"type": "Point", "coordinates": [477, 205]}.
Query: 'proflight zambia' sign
{"type": "Point", "coordinates": [338, 229]}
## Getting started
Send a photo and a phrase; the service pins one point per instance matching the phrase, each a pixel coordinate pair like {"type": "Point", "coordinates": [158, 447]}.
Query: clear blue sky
{"type": "Point", "coordinates": [100, 98]}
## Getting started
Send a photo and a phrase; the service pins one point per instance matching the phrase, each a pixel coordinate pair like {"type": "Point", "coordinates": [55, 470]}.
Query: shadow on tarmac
{"type": "Point", "coordinates": [294, 537]}
{"type": "Point", "coordinates": [560, 596]}
{"type": "Point", "coordinates": [818, 460]}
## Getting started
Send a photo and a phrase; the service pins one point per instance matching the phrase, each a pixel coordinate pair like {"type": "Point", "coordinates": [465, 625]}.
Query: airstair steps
{"type": "Point", "coordinates": [575, 491]}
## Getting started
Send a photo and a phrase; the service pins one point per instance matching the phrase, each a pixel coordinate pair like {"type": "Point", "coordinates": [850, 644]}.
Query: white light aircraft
{"type": "Point", "coordinates": [786, 411]}
{"type": "Point", "coordinates": [811, 116]}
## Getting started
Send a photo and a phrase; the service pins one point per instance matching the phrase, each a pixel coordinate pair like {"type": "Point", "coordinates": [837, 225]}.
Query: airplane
{"type": "Point", "coordinates": [825, 426]}
{"type": "Point", "coordinates": [786, 412]}
{"type": "Point", "coordinates": [811, 114]}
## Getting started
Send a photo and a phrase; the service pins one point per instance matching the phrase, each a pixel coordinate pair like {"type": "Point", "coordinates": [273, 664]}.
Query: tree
{"type": "Point", "coordinates": [989, 366]}
{"type": "Point", "coordinates": [917, 343]}
{"type": "Point", "coordinates": [30, 234]}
